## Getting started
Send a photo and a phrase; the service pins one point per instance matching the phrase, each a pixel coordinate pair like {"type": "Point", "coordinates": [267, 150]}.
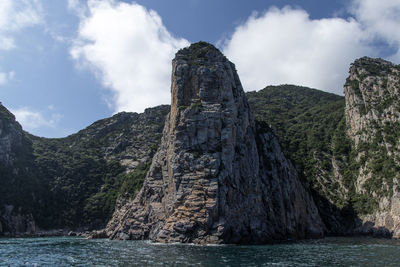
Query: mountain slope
{"type": "Point", "coordinates": [304, 119]}
{"type": "Point", "coordinates": [347, 151]}
{"type": "Point", "coordinates": [312, 129]}
{"type": "Point", "coordinates": [78, 179]}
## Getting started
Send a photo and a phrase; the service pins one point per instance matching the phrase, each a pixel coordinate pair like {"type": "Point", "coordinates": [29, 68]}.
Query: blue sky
{"type": "Point", "coordinates": [65, 64]}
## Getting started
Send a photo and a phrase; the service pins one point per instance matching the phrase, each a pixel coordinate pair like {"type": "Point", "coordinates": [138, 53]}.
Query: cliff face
{"type": "Point", "coordinates": [372, 93]}
{"type": "Point", "coordinates": [346, 149]}
{"type": "Point", "coordinates": [311, 127]}
{"type": "Point", "coordinates": [12, 138]}
{"type": "Point", "coordinates": [16, 169]}
{"type": "Point", "coordinates": [217, 176]}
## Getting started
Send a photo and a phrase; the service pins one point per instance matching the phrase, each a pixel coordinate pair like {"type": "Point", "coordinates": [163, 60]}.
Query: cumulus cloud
{"type": "Point", "coordinates": [16, 15]}
{"type": "Point", "coordinates": [380, 20]}
{"type": "Point", "coordinates": [287, 46]}
{"type": "Point", "coordinates": [129, 48]}
{"type": "Point", "coordinates": [32, 120]}
{"type": "Point", "coordinates": [5, 77]}
{"type": "Point", "coordinates": [78, 7]}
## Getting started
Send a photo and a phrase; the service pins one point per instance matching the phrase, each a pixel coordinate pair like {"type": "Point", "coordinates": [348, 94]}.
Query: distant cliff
{"type": "Point", "coordinates": [73, 182]}
{"type": "Point", "coordinates": [346, 149]}
{"type": "Point", "coordinates": [372, 93]}
{"type": "Point", "coordinates": [311, 127]}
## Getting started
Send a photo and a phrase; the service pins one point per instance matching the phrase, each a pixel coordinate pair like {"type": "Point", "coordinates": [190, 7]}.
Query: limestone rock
{"type": "Point", "coordinates": [373, 115]}
{"type": "Point", "coordinates": [217, 176]}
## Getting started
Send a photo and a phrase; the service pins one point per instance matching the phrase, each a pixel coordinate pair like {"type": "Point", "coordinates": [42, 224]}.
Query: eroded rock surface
{"type": "Point", "coordinates": [217, 176]}
{"type": "Point", "coordinates": [373, 115]}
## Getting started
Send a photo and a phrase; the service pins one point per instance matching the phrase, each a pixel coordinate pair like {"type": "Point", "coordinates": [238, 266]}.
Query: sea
{"type": "Point", "coordinates": [75, 251]}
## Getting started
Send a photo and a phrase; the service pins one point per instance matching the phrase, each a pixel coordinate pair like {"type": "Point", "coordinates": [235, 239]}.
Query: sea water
{"type": "Point", "coordinates": [74, 251]}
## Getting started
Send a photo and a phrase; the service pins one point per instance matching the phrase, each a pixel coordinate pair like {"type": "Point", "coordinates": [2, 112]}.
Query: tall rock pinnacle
{"type": "Point", "coordinates": [217, 176]}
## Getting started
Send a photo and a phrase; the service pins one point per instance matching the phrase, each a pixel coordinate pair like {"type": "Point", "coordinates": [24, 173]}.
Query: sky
{"type": "Point", "coordinates": [67, 63]}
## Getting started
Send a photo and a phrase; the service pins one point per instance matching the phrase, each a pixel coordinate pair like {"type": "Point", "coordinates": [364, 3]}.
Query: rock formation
{"type": "Point", "coordinates": [311, 127]}
{"type": "Point", "coordinates": [348, 149]}
{"type": "Point", "coordinates": [217, 176]}
{"type": "Point", "coordinates": [16, 177]}
{"type": "Point", "coordinates": [372, 93]}
{"type": "Point", "coordinates": [11, 136]}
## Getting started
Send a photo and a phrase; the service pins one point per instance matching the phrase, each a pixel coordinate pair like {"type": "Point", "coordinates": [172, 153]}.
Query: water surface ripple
{"type": "Point", "coordinates": [70, 251]}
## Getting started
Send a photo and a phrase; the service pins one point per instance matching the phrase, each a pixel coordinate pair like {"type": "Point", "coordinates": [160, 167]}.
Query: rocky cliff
{"type": "Point", "coordinates": [347, 150]}
{"type": "Point", "coordinates": [311, 127]}
{"type": "Point", "coordinates": [217, 176]}
{"type": "Point", "coordinates": [372, 93]}
{"type": "Point", "coordinates": [16, 161]}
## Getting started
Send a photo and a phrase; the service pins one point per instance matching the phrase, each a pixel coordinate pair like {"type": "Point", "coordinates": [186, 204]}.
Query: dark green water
{"type": "Point", "coordinates": [68, 251]}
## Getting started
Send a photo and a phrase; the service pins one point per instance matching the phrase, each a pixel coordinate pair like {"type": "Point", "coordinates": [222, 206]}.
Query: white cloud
{"type": "Point", "coordinates": [129, 48]}
{"type": "Point", "coordinates": [286, 46]}
{"type": "Point", "coordinates": [381, 21]}
{"type": "Point", "coordinates": [78, 7]}
{"type": "Point", "coordinates": [74, 4]}
{"type": "Point", "coordinates": [16, 15]}
{"type": "Point", "coordinates": [32, 120]}
{"type": "Point", "coordinates": [6, 43]}
{"type": "Point", "coordinates": [5, 77]}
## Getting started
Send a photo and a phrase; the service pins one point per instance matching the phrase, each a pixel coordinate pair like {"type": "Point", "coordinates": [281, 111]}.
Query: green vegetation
{"type": "Point", "coordinates": [5, 115]}
{"type": "Point", "coordinates": [99, 206]}
{"type": "Point", "coordinates": [197, 53]}
{"type": "Point", "coordinates": [18, 175]}
{"type": "Point", "coordinates": [196, 106]}
{"type": "Point", "coordinates": [72, 177]}
{"type": "Point", "coordinates": [304, 119]}
{"type": "Point", "coordinates": [312, 129]}
{"type": "Point", "coordinates": [75, 181]}
{"type": "Point", "coordinates": [199, 50]}
{"type": "Point", "coordinates": [374, 67]}
{"type": "Point", "coordinates": [355, 85]}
